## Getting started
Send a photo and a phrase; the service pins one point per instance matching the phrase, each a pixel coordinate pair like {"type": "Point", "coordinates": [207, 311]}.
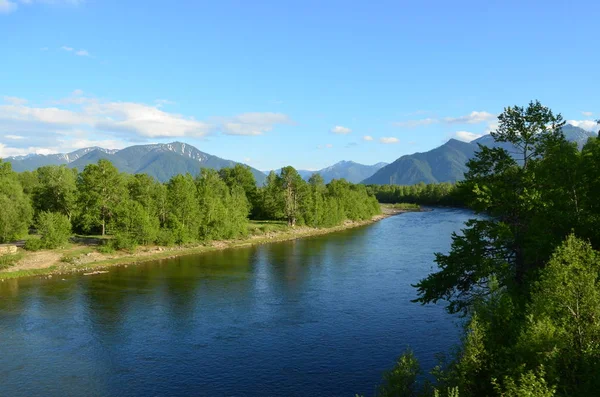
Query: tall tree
{"type": "Point", "coordinates": [183, 209]}
{"type": "Point", "coordinates": [101, 188]}
{"type": "Point", "coordinates": [293, 187]}
{"type": "Point", "coordinates": [16, 212]}
{"type": "Point", "coordinates": [500, 248]}
{"type": "Point", "coordinates": [55, 190]}
{"type": "Point", "coordinates": [241, 175]}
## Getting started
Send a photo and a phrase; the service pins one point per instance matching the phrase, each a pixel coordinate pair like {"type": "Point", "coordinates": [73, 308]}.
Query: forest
{"type": "Point", "coordinates": [53, 202]}
{"type": "Point", "coordinates": [524, 277]}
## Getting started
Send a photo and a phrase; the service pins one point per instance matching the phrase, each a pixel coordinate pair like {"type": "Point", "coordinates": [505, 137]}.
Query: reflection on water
{"type": "Point", "coordinates": [317, 316]}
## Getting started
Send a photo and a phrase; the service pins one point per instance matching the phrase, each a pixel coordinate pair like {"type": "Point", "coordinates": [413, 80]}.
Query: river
{"type": "Point", "coordinates": [321, 316]}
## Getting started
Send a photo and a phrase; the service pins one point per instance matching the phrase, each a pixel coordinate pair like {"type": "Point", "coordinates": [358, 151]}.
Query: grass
{"type": "Point", "coordinates": [9, 260]}
{"type": "Point", "coordinates": [404, 206]}
{"type": "Point", "coordinates": [256, 228]}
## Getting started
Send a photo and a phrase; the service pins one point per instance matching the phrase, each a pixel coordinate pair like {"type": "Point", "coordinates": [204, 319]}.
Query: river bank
{"type": "Point", "coordinates": [81, 258]}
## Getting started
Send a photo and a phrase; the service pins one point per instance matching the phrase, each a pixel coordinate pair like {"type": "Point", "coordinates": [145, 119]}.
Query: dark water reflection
{"type": "Point", "coordinates": [319, 316]}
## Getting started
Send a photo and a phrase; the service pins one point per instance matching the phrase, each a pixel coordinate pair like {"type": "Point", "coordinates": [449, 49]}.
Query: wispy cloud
{"type": "Point", "coordinates": [255, 123]}
{"type": "Point", "coordinates": [367, 138]}
{"type": "Point", "coordinates": [338, 129]}
{"type": "Point", "coordinates": [14, 137]}
{"type": "Point", "coordinates": [587, 114]}
{"type": "Point", "coordinates": [80, 53]}
{"type": "Point", "coordinates": [389, 140]}
{"type": "Point", "coordinates": [472, 118]}
{"type": "Point", "coordinates": [415, 123]}
{"type": "Point", "coordinates": [7, 6]}
{"type": "Point", "coordinates": [13, 100]}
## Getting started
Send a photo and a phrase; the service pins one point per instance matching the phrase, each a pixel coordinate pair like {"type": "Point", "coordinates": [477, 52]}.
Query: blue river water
{"type": "Point", "coordinates": [321, 316]}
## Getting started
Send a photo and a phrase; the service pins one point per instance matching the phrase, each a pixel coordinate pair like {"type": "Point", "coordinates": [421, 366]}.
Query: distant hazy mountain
{"type": "Point", "coordinates": [447, 163]}
{"type": "Point", "coordinates": [348, 170]}
{"type": "Point", "coordinates": [161, 161]}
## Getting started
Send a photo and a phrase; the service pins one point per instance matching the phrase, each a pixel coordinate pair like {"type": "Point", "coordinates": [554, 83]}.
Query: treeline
{"type": "Point", "coordinates": [526, 276]}
{"type": "Point", "coordinates": [444, 194]}
{"type": "Point", "coordinates": [138, 210]}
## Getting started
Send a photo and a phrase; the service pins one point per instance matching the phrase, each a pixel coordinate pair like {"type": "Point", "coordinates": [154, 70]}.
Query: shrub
{"type": "Point", "coordinates": [55, 229]}
{"type": "Point", "coordinates": [34, 244]}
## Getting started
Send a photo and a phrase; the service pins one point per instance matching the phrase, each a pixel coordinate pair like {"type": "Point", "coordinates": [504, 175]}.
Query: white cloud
{"type": "Point", "coordinates": [329, 146]}
{"type": "Point", "coordinates": [389, 140]}
{"type": "Point", "coordinates": [416, 123]}
{"type": "Point", "coordinates": [66, 48]}
{"type": "Point", "coordinates": [587, 114]}
{"type": "Point", "coordinates": [15, 100]}
{"type": "Point", "coordinates": [472, 118]}
{"type": "Point", "coordinates": [588, 125]}
{"type": "Point", "coordinates": [7, 6]}
{"type": "Point", "coordinates": [81, 121]}
{"type": "Point", "coordinates": [367, 138]}
{"type": "Point", "coordinates": [338, 129]}
{"type": "Point", "coordinates": [143, 120]}
{"type": "Point", "coordinates": [466, 136]}
{"type": "Point", "coordinates": [82, 53]}
{"type": "Point", "coordinates": [44, 49]}
{"type": "Point", "coordinates": [253, 123]}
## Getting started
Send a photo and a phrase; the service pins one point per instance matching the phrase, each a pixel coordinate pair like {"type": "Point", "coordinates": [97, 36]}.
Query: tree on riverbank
{"type": "Point", "coordinates": [526, 275]}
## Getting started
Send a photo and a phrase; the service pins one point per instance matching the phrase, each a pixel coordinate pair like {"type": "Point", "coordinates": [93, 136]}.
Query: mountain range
{"type": "Point", "coordinates": [348, 170]}
{"type": "Point", "coordinates": [161, 161]}
{"type": "Point", "coordinates": [447, 163]}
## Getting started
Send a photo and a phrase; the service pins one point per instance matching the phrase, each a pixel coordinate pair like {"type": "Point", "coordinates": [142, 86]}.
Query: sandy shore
{"type": "Point", "coordinates": [85, 259]}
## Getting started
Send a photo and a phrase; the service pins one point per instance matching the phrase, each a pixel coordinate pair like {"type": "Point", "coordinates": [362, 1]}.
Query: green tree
{"type": "Point", "coordinates": [132, 225]}
{"type": "Point", "coordinates": [183, 214]}
{"type": "Point", "coordinates": [499, 248]}
{"type": "Point", "coordinates": [55, 190]}
{"type": "Point", "coordinates": [54, 228]}
{"type": "Point", "coordinates": [294, 189]}
{"type": "Point", "coordinates": [16, 213]}
{"type": "Point", "coordinates": [241, 175]}
{"type": "Point", "coordinates": [101, 188]}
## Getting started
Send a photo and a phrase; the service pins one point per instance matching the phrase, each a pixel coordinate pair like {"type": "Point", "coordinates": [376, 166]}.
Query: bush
{"type": "Point", "coordinates": [34, 244]}
{"type": "Point", "coordinates": [55, 229]}
{"type": "Point", "coordinates": [165, 237]}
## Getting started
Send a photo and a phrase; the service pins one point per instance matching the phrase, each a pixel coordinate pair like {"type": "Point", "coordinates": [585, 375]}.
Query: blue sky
{"type": "Point", "coordinates": [273, 83]}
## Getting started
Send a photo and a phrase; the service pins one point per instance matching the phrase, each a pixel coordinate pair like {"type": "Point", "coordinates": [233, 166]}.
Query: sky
{"type": "Point", "coordinates": [274, 83]}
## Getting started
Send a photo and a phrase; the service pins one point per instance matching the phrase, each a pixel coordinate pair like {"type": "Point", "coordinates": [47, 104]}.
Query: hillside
{"type": "Point", "coordinates": [161, 161]}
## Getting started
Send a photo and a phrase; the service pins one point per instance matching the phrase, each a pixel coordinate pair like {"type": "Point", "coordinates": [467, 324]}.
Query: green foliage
{"type": "Point", "coordinates": [527, 273]}
{"type": "Point", "coordinates": [34, 244]}
{"type": "Point", "coordinates": [54, 228]}
{"type": "Point", "coordinates": [132, 225]}
{"type": "Point", "coordinates": [16, 213]}
{"type": "Point", "coordinates": [401, 380]}
{"type": "Point", "coordinates": [55, 190]}
{"type": "Point", "coordinates": [445, 194]}
{"type": "Point", "coordinates": [101, 188]}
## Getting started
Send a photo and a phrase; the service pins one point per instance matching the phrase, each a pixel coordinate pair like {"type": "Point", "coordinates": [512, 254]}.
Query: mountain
{"type": "Point", "coordinates": [161, 161]}
{"type": "Point", "coordinates": [447, 163]}
{"type": "Point", "coordinates": [348, 170]}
